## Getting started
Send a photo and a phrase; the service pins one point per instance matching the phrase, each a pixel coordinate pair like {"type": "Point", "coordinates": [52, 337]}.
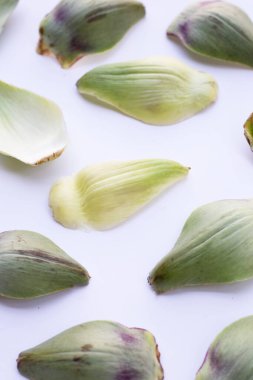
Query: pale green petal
{"type": "Point", "coordinates": [99, 350]}
{"type": "Point", "coordinates": [156, 90]}
{"type": "Point", "coordinates": [215, 247]}
{"type": "Point", "coordinates": [216, 29]}
{"type": "Point", "coordinates": [76, 28]}
{"type": "Point", "coordinates": [32, 266]}
{"type": "Point", "coordinates": [32, 128]}
{"type": "Point", "coordinates": [6, 9]}
{"type": "Point", "coordinates": [106, 195]}
{"type": "Point", "coordinates": [230, 357]}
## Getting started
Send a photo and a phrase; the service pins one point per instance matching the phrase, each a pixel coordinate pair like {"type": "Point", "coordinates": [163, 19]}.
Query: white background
{"type": "Point", "coordinates": [119, 260]}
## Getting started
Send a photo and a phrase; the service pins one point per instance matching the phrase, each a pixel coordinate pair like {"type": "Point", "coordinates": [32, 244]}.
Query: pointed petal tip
{"type": "Point", "coordinates": [154, 284]}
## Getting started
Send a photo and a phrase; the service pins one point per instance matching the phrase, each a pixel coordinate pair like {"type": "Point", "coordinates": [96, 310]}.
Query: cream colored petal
{"type": "Point", "coordinates": [32, 128]}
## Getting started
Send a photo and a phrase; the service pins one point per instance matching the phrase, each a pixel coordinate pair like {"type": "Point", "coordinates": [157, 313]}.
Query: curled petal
{"type": "Point", "coordinates": [32, 128]}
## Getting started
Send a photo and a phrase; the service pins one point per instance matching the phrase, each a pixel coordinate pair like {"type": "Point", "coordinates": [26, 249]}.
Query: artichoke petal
{"type": "Point", "coordinates": [31, 266]}
{"type": "Point", "coordinates": [214, 247]}
{"type": "Point", "coordinates": [100, 350]}
{"type": "Point", "coordinates": [103, 196]}
{"type": "Point", "coordinates": [156, 91]}
{"type": "Point", "coordinates": [230, 356]}
{"type": "Point", "coordinates": [79, 27]}
{"type": "Point", "coordinates": [216, 29]}
{"type": "Point", "coordinates": [32, 128]}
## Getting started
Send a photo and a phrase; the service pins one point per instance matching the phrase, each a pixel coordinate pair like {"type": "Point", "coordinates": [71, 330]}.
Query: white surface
{"type": "Point", "coordinates": [212, 143]}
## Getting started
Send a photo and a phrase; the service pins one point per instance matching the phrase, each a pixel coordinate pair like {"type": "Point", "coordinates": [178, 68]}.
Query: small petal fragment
{"type": "Point", "coordinates": [6, 9]}
{"type": "Point", "coordinates": [103, 196]}
{"type": "Point", "coordinates": [216, 29]}
{"type": "Point", "coordinates": [99, 350]}
{"type": "Point", "coordinates": [32, 266]}
{"type": "Point", "coordinates": [32, 128]}
{"type": "Point", "coordinates": [76, 28]}
{"type": "Point", "coordinates": [230, 357]}
{"type": "Point", "coordinates": [248, 131]}
{"type": "Point", "coordinates": [156, 90]}
{"type": "Point", "coordinates": [215, 247]}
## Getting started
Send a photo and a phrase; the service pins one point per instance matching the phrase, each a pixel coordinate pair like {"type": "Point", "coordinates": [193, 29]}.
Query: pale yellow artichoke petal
{"type": "Point", "coordinates": [106, 195]}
